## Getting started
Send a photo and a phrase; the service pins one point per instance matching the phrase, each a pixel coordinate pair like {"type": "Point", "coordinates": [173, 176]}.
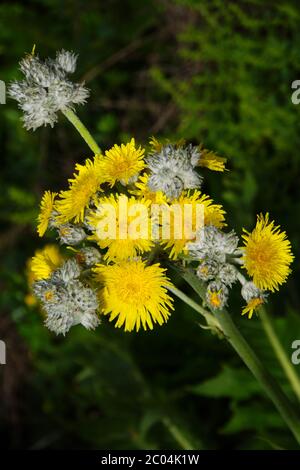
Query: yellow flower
{"type": "Point", "coordinates": [44, 262]}
{"type": "Point", "coordinates": [123, 162]}
{"type": "Point", "coordinates": [122, 225]}
{"type": "Point", "coordinates": [213, 215]}
{"type": "Point", "coordinates": [142, 190]}
{"type": "Point", "coordinates": [251, 306]}
{"type": "Point", "coordinates": [135, 294]}
{"type": "Point", "coordinates": [83, 187]}
{"type": "Point", "coordinates": [211, 161]}
{"type": "Point", "coordinates": [30, 300]}
{"type": "Point", "coordinates": [214, 298]}
{"type": "Point", "coordinates": [267, 254]}
{"type": "Point", "coordinates": [46, 208]}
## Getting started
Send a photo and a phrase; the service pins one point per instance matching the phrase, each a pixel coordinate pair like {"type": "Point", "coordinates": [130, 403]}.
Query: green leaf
{"type": "Point", "coordinates": [252, 416]}
{"type": "Point", "coordinates": [232, 383]}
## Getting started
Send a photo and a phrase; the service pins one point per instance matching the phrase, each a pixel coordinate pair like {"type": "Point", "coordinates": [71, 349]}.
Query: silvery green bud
{"type": "Point", "coordinates": [70, 234]}
{"type": "Point", "coordinates": [66, 300]}
{"type": "Point", "coordinates": [69, 271]}
{"type": "Point", "coordinates": [250, 291]}
{"type": "Point", "coordinates": [90, 256]}
{"type": "Point", "coordinates": [208, 270]}
{"type": "Point", "coordinates": [66, 61]}
{"type": "Point", "coordinates": [77, 305]}
{"type": "Point", "coordinates": [46, 89]}
{"type": "Point", "coordinates": [46, 291]}
{"type": "Point", "coordinates": [59, 320]}
{"type": "Point", "coordinates": [172, 170]}
{"type": "Point", "coordinates": [212, 243]}
{"type": "Point", "coordinates": [227, 274]}
{"type": "Point", "coordinates": [90, 320]}
{"type": "Point", "coordinates": [85, 298]}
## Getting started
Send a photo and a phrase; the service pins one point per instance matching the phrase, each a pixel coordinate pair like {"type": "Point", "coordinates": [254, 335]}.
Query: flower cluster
{"type": "Point", "coordinates": [265, 256]}
{"type": "Point", "coordinates": [46, 88]}
{"type": "Point", "coordinates": [128, 210]}
{"type": "Point", "coordinates": [117, 275]}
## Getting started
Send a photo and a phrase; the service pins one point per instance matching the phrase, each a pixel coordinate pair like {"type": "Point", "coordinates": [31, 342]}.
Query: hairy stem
{"type": "Point", "coordinates": [282, 357]}
{"type": "Point", "coordinates": [185, 298]}
{"type": "Point", "coordinates": [240, 345]}
{"type": "Point", "coordinates": [85, 134]}
{"type": "Point", "coordinates": [184, 443]}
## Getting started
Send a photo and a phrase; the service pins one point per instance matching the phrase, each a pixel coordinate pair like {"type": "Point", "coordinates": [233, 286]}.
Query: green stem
{"type": "Point", "coordinates": [280, 352]}
{"type": "Point", "coordinates": [177, 435]}
{"type": "Point", "coordinates": [85, 134]}
{"type": "Point", "coordinates": [185, 298]}
{"type": "Point", "coordinates": [240, 345]}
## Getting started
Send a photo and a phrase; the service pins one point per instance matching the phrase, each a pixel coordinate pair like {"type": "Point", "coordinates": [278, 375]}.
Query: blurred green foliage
{"type": "Point", "coordinates": [204, 70]}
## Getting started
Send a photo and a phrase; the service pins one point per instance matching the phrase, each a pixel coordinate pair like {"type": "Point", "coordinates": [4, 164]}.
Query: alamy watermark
{"type": "Point", "coordinates": [295, 97]}
{"type": "Point", "coordinates": [2, 352]}
{"type": "Point", "coordinates": [295, 358]}
{"type": "Point", "coordinates": [2, 92]}
{"type": "Point", "coordinates": [139, 221]}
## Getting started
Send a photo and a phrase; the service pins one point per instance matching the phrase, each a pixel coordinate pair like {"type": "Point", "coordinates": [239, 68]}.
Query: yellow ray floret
{"type": "Point", "coordinates": [213, 215]}
{"type": "Point", "coordinates": [134, 294]}
{"type": "Point", "coordinates": [122, 225]}
{"type": "Point", "coordinates": [155, 144]}
{"type": "Point", "coordinates": [123, 162]}
{"type": "Point", "coordinates": [211, 161]}
{"type": "Point", "coordinates": [44, 262]}
{"type": "Point", "coordinates": [267, 254]}
{"type": "Point", "coordinates": [84, 185]}
{"type": "Point", "coordinates": [46, 209]}
{"type": "Point", "coordinates": [252, 306]}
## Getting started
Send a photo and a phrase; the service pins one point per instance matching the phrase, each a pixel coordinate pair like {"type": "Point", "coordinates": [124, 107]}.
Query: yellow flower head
{"type": "Point", "coordinates": [211, 161]}
{"type": "Point", "coordinates": [267, 254]}
{"type": "Point", "coordinates": [123, 162]}
{"type": "Point", "coordinates": [44, 262]}
{"type": "Point", "coordinates": [121, 224]}
{"type": "Point", "coordinates": [46, 208]}
{"type": "Point", "coordinates": [135, 294]}
{"type": "Point", "coordinates": [214, 298]}
{"type": "Point", "coordinates": [83, 187]}
{"type": "Point", "coordinates": [252, 305]}
{"type": "Point", "coordinates": [213, 215]}
{"type": "Point", "coordinates": [142, 190]}
{"type": "Point", "coordinates": [30, 299]}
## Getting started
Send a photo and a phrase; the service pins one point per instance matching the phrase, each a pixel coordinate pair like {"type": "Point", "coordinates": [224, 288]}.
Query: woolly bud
{"type": "Point", "coordinates": [213, 244]}
{"type": "Point", "coordinates": [46, 89]}
{"type": "Point", "coordinates": [208, 270]}
{"type": "Point", "coordinates": [66, 61]}
{"type": "Point", "coordinates": [69, 271]}
{"type": "Point", "coordinates": [250, 291]}
{"type": "Point", "coordinates": [59, 322]}
{"type": "Point", "coordinates": [90, 256]}
{"type": "Point", "coordinates": [216, 295]}
{"type": "Point", "coordinates": [85, 298]}
{"type": "Point", "coordinates": [254, 298]}
{"type": "Point", "coordinates": [172, 170]}
{"type": "Point", "coordinates": [70, 234]}
{"type": "Point", "coordinates": [45, 291]}
{"type": "Point", "coordinates": [227, 274]}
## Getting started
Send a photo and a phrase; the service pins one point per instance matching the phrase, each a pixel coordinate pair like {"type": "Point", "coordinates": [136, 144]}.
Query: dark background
{"type": "Point", "coordinates": [208, 71]}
